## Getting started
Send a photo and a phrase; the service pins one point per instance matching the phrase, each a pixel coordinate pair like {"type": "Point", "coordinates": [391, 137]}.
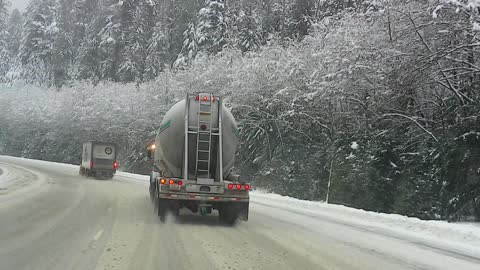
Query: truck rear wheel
{"type": "Point", "coordinates": [162, 209]}
{"type": "Point", "coordinates": [228, 214]}
{"type": "Point", "coordinates": [161, 206]}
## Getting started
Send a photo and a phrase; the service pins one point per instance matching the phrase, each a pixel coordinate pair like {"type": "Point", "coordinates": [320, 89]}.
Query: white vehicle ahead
{"type": "Point", "coordinates": [194, 153]}
{"type": "Point", "coordinates": [99, 159]}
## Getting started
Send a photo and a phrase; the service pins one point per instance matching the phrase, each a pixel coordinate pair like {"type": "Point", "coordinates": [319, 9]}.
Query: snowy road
{"type": "Point", "coordinates": [63, 221]}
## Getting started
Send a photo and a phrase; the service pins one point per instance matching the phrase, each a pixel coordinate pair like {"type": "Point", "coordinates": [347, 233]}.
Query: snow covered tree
{"type": "Point", "coordinates": [135, 52]}
{"type": "Point", "coordinates": [83, 15]}
{"type": "Point", "coordinates": [189, 48]}
{"type": "Point", "coordinates": [64, 50]}
{"type": "Point", "coordinates": [89, 56]}
{"type": "Point", "coordinates": [4, 53]}
{"type": "Point", "coordinates": [37, 50]}
{"type": "Point", "coordinates": [14, 32]}
{"type": "Point", "coordinates": [157, 51]}
{"type": "Point", "coordinates": [113, 38]}
{"type": "Point", "coordinates": [178, 16]}
{"type": "Point", "coordinates": [249, 32]}
{"type": "Point", "coordinates": [302, 15]}
{"type": "Point", "coordinates": [212, 27]}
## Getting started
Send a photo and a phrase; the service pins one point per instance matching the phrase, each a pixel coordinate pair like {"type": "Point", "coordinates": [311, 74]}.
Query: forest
{"type": "Point", "coordinates": [380, 98]}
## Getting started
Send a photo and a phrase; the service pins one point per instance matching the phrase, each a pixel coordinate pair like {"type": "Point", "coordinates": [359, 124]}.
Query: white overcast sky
{"type": "Point", "coordinates": [19, 4]}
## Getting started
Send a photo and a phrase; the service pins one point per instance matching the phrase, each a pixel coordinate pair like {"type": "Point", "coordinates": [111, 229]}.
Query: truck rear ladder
{"type": "Point", "coordinates": [205, 133]}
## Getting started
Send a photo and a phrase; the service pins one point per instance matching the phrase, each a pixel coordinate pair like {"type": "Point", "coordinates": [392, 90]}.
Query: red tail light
{"type": "Point", "coordinates": [230, 186]}
{"type": "Point", "coordinates": [115, 165]}
{"type": "Point", "coordinates": [239, 187]}
{"type": "Point", "coordinates": [197, 98]}
{"type": "Point", "coordinates": [213, 99]}
{"type": "Point", "coordinates": [163, 181]}
{"type": "Point", "coordinates": [171, 182]}
{"type": "Point", "coordinates": [247, 187]}
{"type": "Point", "coordinates": [180, 183]}
{"type": "Point", "coordinates": [91, 164]}
{"type": "Point", "coordinates": [205, 98]}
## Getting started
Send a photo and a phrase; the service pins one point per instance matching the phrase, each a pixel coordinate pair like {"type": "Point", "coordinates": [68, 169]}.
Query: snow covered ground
{"type": "Point", "coordinates": [17, 182]}
{"type": "Point", "coordinates": [454, 237]}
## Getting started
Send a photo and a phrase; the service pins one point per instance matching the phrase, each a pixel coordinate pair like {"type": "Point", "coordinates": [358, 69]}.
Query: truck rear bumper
{"type": "Point", "coordinates": [201, 197]}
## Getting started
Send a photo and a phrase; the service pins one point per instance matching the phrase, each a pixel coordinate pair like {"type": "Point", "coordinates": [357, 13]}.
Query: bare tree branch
{"type": "Point", "coordinates": [413, 120]}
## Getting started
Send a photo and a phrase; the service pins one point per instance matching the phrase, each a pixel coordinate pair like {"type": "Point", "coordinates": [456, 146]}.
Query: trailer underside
{"type": "Point", "coordinates": [230, 209]}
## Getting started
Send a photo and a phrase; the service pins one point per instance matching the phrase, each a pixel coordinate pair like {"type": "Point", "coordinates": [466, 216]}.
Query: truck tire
{"type": "Point", "coordinates": [162, 209]}
{"type": "Point", "coordinates": [243, 209]}
{"type": "Point", "coordinates": [155, 199]}
{"type": "Point", "coordinates": [161, 206]}
{"type": "Point", "coordinates": [228, 214]}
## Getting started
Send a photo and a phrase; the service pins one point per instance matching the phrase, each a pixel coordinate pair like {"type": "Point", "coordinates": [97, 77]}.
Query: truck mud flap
{"type": "Point", "coordinates": [243, 211]}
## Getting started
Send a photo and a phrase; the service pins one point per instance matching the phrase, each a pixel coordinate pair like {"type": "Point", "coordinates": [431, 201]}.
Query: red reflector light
{"type": "Point", "coordinates": [247, 187]}
{"type": "Point", "coordinates": [179, 183]}
{"type": "Point", "coordinates": [239, 187]}
{"type": "Point", "coordinates": [171, 182]}
{"type": "Point", "coordinates": [205, 98]}
{"type": "Point", "coordinates": [230, 186]}
{"type": "Point", "coordinates": [163, 181]}
{"type": "Point", "coordinates": [216, 198]}
{"type": "Point", "coordinates": [197, 98]}
{"type": "Point", "coordinates": [91, 164]}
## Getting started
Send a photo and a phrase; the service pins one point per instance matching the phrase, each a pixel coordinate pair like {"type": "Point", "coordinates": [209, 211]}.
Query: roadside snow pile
{"type": "Point", "coordinates": [457, 237]}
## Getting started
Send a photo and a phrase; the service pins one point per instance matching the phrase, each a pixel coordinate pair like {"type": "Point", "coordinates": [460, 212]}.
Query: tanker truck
{"type": "Point", "coordinates": [193, 155]}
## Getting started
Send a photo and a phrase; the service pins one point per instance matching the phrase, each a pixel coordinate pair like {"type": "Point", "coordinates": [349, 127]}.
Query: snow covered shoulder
{"type": "Point", "coordinates": [458, 238]}
{"type": "Point", "coordinates": [16, 180]}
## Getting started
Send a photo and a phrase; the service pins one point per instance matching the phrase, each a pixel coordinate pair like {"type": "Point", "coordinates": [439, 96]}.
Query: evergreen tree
{"type": "Point", "coordinates": [14, 32]}
{"type": "Point", "coordinates": [137, 41]}
{"type": "Point", "coordinates": [4, 53]}
{"type": "Point", "coordinates": [63, 46]}
{"type": "Point", "coordinates": [4, 4]}
{"type": "Point", "coordinates": [84, 13]}
{"type": "Point", "coordinates": [156, 52]}
{"type": "Point", "coordinates": [89, 57]}
{"type": "Point", "coordinates": [189, 48]}
{"type": "Point", "coordinates": [178, 14]}
{"type": "Point", "coordinates": [281, 19]}
{"type": "Point", "coordinates": [249, 33]}
{"type": "Point", "coordinates": [212, 27]}
{"type": "Point", "coordinates": [302, 14]}
{"type": "Point", "coordinates": [114, 35]}
{"type": "Point", "coordinates": [37, 50]}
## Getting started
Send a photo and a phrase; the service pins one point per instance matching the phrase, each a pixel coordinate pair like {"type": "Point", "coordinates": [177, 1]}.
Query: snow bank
{"type": "Point", "coordinates": [454, 237]}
